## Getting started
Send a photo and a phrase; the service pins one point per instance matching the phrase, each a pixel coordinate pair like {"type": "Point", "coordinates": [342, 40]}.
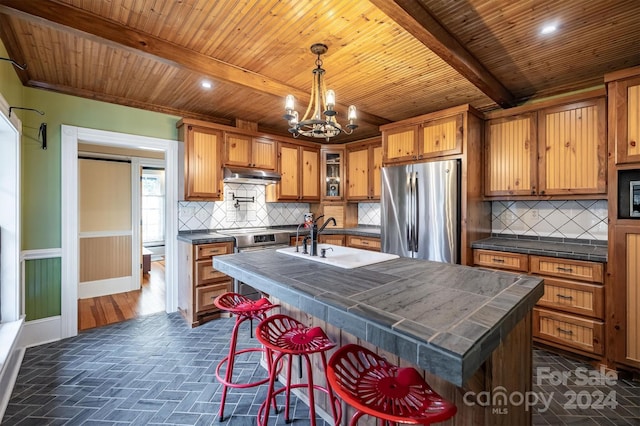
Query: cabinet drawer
{"type": "Point", "coordinates": [206, 295]}
{"type": "Point", "coordinates": [501, 260]}
{"type": "Point", "coordinates": [206, 273]}
{"type": "Point", "coordinates": [573, 297]}
{"type": "Point", "coordinates": [572, 331]}
{"type": "Point", "coordinates": [567, 268]}
{"type": "Point", "coordinates": [363, 242]}
{"type": "Point", "coordinates": [205, 251]}
{"type": "Point", "coordinates": [336, 240]}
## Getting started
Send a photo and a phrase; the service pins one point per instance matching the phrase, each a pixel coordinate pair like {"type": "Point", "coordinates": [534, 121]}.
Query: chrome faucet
{"type": "Point", "coordinates": [315, 232]}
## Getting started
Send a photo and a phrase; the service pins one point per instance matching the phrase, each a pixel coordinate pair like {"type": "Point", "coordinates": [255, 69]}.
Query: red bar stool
{"type": "Point", "coordinates": [244, 309]}
{"type": "Point", "coordinates": [284, 335]}
{"type": "Point", "coordinates": [373, 386]}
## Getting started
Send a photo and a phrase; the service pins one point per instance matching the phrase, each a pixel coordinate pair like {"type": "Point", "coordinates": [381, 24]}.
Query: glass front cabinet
{"type": "Point", "coordinates": [332, 174]}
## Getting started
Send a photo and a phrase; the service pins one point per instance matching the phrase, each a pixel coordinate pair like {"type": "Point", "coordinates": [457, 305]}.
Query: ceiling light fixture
{"type": "Point", "coordinates": [322, 101]}
{"type": "Point", "coordinates": [548, 29]}
{"type": "Point", "coordinates": [206, 84]}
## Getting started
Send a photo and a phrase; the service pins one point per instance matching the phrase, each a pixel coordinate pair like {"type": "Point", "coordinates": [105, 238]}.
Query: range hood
{"type": "Point", "coordinates": [253, 176]}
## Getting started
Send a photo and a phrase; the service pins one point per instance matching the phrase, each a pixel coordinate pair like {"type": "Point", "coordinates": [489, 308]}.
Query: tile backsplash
{"type": "Point", "coordinates": [583, 219]}
{"type": "Point", "coordinates": [235, 213]}
{"type": "Point", "coordinates": [369, 214]}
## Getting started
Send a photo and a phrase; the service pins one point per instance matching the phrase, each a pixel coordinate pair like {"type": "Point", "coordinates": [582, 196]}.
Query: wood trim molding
{"type": "Point", "coordinates": [70, 135]}
{"type": "Point", "coordinates": [49, 253]}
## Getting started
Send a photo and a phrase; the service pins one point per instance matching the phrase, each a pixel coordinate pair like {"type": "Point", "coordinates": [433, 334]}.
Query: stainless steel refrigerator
{"type": "Point", "coordinates": [420, 209]}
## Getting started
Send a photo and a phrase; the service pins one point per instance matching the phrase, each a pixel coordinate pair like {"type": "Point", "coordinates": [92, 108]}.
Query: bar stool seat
{"type": "Point", "coordinates": [370, 384]}
{"type": "Point", "coordinates": [244, 309]}
{"type": "Point", "coordinates": [285, 336]}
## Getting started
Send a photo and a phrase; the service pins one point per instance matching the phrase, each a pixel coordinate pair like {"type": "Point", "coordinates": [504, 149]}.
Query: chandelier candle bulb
{"type": "Point", "coordinates": [352, 113]}
{"type": "Point", "coordinates": [331, 99]}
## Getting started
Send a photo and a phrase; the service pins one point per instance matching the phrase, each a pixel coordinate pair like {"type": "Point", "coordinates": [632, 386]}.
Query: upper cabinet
{"type": "Point", "coordinates": [332, 179]}
{"type": "Point", "coordinates": [572, 149]}
{"type": "Point", "coordinates": [422, 138]}
{"type": "Point", "coordinates": [249, 151]}
{"type": "Point", "coordinates": [558, 150]}
{"type": "Point", "coordinates": [511, 155]}
{"type": "Point", "coordinates": [299, 167]}
{"type": "Point", "coordinates": [202, 161]}
{"type": "Point", "coordinates": [624, 118]}
{"type": "Point", "coordinates": [364, 164]}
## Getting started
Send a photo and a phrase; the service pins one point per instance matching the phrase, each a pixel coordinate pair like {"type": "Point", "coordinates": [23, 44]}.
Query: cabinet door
{"type": "Point", "coordinates": [237, 150]}
{"type": "Point", "coordinates": [400, 144]}
{"type": "Point", "coordinates": [203, 154]}
{"type": "Point", "coordinates": [375, 175]}
{"type": "Point", "coordinates": [358, 173]}
{"type": "Point", "coordinates": [572, 149]}
{"type": "Point", "coordinates": [310, 174]}
{"type": "Point", "coordinates": [263, 154]}
{"type": "Point", "coordinates": [332, 179]}
{"type": "Point", "coordinates": [510, 155]}
{"type": "Point", "coordinates": [441, 137]}
{"type": "Point", "coordinates": [625, 110]}
{"type": "Point", "coordinates": [336, 240]}
{"type": "Point", "coordinates": [289, 166]}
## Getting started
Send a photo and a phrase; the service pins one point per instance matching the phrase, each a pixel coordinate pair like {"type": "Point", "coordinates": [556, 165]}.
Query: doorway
{"type": "Point", "coordinates": [71, 137]}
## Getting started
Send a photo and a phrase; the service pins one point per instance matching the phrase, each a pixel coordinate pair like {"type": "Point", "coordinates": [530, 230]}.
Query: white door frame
{"type": "Point", "coordinates": [71, 136]}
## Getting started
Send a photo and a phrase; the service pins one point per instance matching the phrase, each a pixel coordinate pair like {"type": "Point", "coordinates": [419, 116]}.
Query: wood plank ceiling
{"type": "Point", "coordinates": [392, 59]}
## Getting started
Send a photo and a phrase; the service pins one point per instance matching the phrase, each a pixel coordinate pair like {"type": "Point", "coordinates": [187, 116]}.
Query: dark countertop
{"type": "Point", "coordinates": [447, 319]}
{"type": "Point", "coordinates": [592, 250]}
{"type": "Point", "coordinates": [206, 237]}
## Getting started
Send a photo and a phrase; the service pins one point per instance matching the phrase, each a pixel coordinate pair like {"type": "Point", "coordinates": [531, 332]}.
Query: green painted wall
{"type": "Point", "coordinates": [42, 292]}
{"type": "Point", "coordinates": [41, 168]}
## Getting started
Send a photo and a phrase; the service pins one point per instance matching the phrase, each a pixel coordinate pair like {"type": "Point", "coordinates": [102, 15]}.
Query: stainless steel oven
{"type": "Point", "coordinates": [253, 239]}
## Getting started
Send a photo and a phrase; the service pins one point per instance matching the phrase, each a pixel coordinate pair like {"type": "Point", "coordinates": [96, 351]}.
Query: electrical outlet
{"type": "Point", "coordinates": [534, 214]}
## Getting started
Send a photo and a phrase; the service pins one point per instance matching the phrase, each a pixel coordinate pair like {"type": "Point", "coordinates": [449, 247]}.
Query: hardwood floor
{"type": "Point", "coordinates": [99, 311]}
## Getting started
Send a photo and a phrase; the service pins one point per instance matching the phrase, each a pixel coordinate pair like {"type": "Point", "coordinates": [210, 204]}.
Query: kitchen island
{"type": "Point", "coordinates": [468, 329]}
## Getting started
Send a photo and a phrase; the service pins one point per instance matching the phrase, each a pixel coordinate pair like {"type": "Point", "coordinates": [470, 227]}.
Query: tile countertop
{"type": "Point", "coordinates": [591, 250]}
{"type": "Point", "coordinates": [446, 319]}
{"type": "Point", "coordinates": [206, 237]}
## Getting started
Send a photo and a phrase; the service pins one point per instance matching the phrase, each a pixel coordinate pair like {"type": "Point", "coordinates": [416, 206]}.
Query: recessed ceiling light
{"type": "Point", "coordinates": [548, 29]}
{"type": "Point", "coordinates": [206, 84]}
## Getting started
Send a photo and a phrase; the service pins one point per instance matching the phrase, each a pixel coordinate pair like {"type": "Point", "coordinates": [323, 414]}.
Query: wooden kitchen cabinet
{"type": "Point", "coordinates": [336, 240]}
{"type": "Point", "coordinates": [199, 282]}
{"type": "Point", "coordinates": [202, 160]}
{"type": "Point", "coordinates": [557, 150]}
{"type": "Point", "coordinates": [364, 167]}
{"type": "Point", "coordinates": [422, 137]}
{"type": "Point", "coordinates": [572, 147]}
{"type": "Point", "coordinates": [332, 179]}
{"type": "Point", "coordinates": [511, 156]}
{"type": "Point", "coordinates": [249, 151]}
{"type": "Point", "coordinates": [570, 314]}
{"type": "Point", "coordinates": [366, 243]}
{"type": "Point", "coordinates": [299, 167]}
{"type": "Point", "coordinates": [624, 116]}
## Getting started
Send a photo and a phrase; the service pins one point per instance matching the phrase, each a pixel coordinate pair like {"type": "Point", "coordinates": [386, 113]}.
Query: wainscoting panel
{"type": "Point", "coordinates": [105, 257]}
{"type": "Point", "coordinates": [42, 286]}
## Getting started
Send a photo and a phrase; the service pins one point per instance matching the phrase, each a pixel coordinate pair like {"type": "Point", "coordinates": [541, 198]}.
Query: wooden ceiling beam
{"type": "Point", "coordinates": [418, 21]}
{"type": "Point", "coordinates": [125, 37]}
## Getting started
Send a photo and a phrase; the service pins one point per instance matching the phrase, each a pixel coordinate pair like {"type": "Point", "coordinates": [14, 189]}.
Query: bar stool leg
{"type": "Point", "coordinates": [312, 399]}
{"type": "Point", "coordinates": [332, 398]}
{"type": "Point", "coordinates": [272, 381]}
{"type": "Point", "coordinates": [229, 373]}
{"type": "Point", "coordinates": [287, 398]}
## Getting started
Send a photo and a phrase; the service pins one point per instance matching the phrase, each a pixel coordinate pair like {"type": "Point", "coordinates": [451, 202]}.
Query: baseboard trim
{"type": "Point", "coordinates": [9, 377]}
{"type": "Point", "coordinates": [105, 287]}
{"type": "Point", "coordinates": [41, 331]}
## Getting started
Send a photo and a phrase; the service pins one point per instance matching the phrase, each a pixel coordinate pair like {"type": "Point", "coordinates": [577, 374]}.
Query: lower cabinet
{"type": "Point", "coordinates": [367, 243]}
{"type": "Point", "coordinates": [199, 282]}
{"type": "Point", "coordinates": [336, 240]}
{"type": "Point", "coordinates": [570, 314]}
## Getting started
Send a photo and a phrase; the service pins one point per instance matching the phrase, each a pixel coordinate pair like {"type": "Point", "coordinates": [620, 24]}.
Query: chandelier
{"type": "Point", "coordinates": [322, 101]}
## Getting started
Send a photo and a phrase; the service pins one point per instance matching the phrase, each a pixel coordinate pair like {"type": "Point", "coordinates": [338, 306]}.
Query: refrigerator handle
{"type": "Point", "coordinates": [416, 210]}
{"type": "Point", "coordinates": [409, 211]}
